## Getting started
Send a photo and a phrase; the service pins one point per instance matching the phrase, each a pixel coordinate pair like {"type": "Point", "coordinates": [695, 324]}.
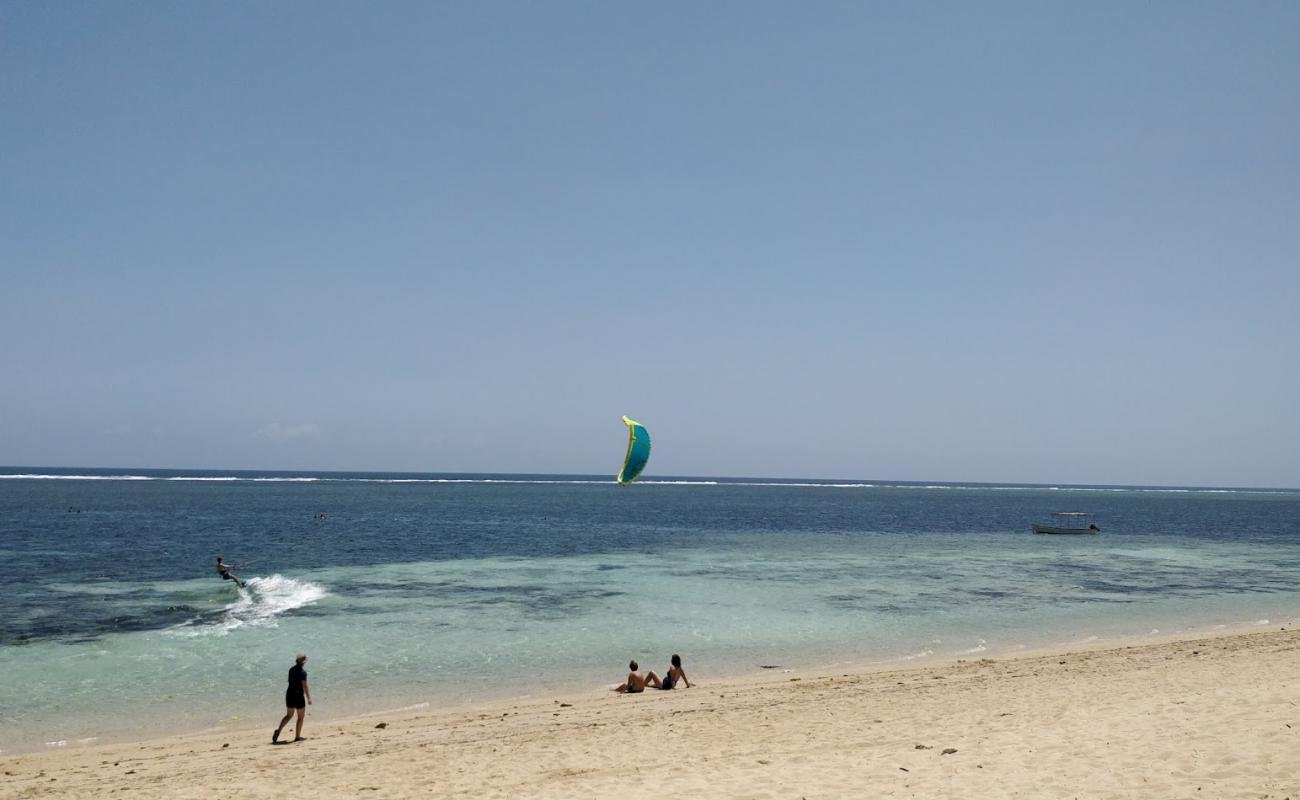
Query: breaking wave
{"type": "Point", "coordinates": [259, 605]}
{"type": "Point", "coordinates": [704, 482]}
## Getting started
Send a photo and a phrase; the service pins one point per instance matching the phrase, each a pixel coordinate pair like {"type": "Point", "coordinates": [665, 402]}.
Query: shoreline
{"type": "Point", "coordinates": [398, 703]}
{"type": "Point", "coordinates": [1219, 710]}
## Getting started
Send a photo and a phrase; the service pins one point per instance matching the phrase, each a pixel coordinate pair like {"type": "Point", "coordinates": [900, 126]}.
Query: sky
{"type": "Point", "coordinates": [1032, 242]}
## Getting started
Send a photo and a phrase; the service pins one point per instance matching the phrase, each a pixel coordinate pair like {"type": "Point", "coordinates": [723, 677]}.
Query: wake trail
{"type": "Point", "coordinates": [260, 604]}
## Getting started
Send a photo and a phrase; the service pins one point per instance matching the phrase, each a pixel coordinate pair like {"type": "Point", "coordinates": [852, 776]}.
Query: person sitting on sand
{"type": "Point", "coordinates": [672, 677]}
{"type": "Point", "coordinates": [634, 683]}
{"type": "Point", "coordinates": [224, 570]}
{"type": "Point", "coordinates": [296, 699]}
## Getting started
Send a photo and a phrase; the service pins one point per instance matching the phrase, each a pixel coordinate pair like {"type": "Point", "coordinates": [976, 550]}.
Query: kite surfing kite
{"type": "Point", "coordinates": [638, 452]}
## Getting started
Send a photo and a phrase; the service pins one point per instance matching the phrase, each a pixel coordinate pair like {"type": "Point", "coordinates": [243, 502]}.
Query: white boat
{"type": "Point", "coordinates": [1074, 522]}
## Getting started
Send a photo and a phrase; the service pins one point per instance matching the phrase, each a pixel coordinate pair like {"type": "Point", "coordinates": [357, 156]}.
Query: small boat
{"type": "Point", "coordinates": [1068, 522]}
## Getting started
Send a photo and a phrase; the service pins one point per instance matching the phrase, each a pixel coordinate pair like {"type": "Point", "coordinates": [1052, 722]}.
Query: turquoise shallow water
{"type": "Point", "coordinates": [452, 589]}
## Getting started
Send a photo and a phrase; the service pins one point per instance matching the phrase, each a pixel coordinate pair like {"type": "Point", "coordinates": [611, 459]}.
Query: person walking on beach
{"type": "Point", "coordinates": [672, 677]}
{"type": "Point", "coordinates": [296, 699]}
{"type": "Point", "coordinates": [634, 683]}
{"type": "Point", "coordinates": [224, 570]}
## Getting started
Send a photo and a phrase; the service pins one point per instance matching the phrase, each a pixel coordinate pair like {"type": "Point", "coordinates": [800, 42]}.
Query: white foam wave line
{"type": "Point", "coordinates": [810, 485]}
{"type": "Point", "coordinates": [77, 477]}
{"type": "Point", "coordinates": [653, 482]}
{"type": "Point", "coordinates": [401, 709]}
{"type": "Point", "coordinates": [303, 479]}
{"type": "Point", "coordinates": [964, 487]}
{"type": "Point", "coordinates": [474, 480]}
{"type": "Point", "coordinates": [260, 605]}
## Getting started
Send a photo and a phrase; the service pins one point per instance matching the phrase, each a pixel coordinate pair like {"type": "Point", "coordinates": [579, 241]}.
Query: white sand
{"type": "Point", "coordinates": [1209, 718]}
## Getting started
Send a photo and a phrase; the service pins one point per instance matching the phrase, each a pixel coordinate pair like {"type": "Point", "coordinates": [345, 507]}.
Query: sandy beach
{"type": "Point", "coordinates": [1216, 717]}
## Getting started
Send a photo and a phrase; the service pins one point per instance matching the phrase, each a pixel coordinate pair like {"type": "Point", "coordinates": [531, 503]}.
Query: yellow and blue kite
{"type": "Point", "coordinates": [638, 451]}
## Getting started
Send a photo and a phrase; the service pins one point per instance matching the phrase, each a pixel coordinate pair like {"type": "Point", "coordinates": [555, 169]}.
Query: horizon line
{"type": "Point", "coordinates": [28, 470]}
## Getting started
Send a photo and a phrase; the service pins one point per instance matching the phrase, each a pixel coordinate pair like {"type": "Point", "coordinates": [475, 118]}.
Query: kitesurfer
{"type": "Point", "coordinates": [223, 569]}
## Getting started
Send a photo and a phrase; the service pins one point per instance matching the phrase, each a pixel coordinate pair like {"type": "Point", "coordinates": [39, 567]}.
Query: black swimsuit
{"type": "Point", "coordinates": [294, 697]}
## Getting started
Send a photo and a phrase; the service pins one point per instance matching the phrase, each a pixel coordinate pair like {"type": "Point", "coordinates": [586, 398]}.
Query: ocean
{"type": "Point", "coordinates": [419, 590]}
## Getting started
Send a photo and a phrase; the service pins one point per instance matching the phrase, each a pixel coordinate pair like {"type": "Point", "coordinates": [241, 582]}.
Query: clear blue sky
{"type": "Point", "coordinates": [1029, 241]}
